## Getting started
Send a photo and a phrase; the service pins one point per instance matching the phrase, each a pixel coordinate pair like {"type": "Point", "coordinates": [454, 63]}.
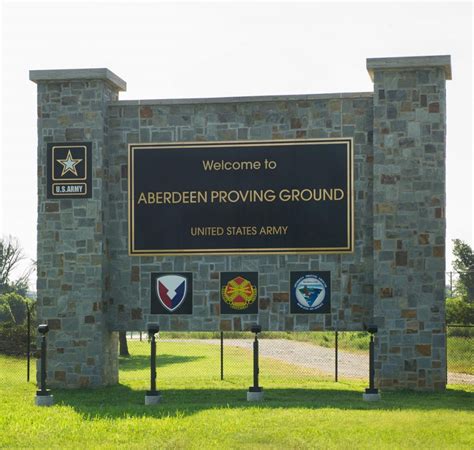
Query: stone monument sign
{"type": "Point", "coordinates": [306, 212]}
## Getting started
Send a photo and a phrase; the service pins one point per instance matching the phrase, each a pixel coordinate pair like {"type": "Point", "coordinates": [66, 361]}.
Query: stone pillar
{"type": "Point", "coordinates": [72, 107]}
{"type": "Point", "coordinates": [409, 220]}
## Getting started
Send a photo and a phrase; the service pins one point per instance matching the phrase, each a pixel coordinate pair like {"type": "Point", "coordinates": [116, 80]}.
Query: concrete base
{"type": "Point", "coordinates": [44, 400]}
{"type": "Point", "coordinates": [152, 399]}
{"type": "Point", "coordinates": [371, 397]}
{"type": "Point", "coordinates": [254, 396]}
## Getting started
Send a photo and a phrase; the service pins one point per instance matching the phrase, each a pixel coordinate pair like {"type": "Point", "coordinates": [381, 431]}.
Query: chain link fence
{"type": "Point", "coordinates": [460, 354]}
{"type": "Point", "coordinates": [326, 356]}
{"type": "Point", "coordinates": [228, 355]}
{"type": "Point", "coordinates": [284, 356]}
{"type": "Point", "coordinates": [18, 343]}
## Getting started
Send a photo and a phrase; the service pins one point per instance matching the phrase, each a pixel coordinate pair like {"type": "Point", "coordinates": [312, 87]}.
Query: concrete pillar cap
{"type": "Point", "coordinates": [107, 75]}
{"type": "Point", "coordinates": [404, 63]}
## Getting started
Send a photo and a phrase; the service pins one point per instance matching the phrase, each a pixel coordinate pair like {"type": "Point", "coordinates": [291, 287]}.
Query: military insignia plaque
{"type": "Point", "coordinates": [310, 292]}
{"type": "Point", "coordinates": [172, 293]}
{"type": "Point", "coordinates": [239, 292]}
{"type": "Point", "coordinates": [69, 170]}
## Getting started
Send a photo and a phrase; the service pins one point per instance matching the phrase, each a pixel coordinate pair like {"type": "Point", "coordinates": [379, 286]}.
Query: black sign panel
{"type": "Point", "coordinates": [241, 197]}
{"type": "Point", "coordinates": [239, 292]}
{"type": "Point", "coordinates": [69, 170]}
{"type": "Point", "coordinates": [310, 292]}
{"type": "Point", "coordinates": [172, 293]}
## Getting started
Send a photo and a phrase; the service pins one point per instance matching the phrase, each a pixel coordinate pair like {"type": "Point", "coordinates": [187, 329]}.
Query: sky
{"type": "Point", "coordinates": [199, 50]}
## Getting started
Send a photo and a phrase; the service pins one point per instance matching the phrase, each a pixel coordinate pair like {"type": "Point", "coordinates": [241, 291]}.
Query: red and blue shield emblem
{"type": "Point", "coordinates": [171, 291]}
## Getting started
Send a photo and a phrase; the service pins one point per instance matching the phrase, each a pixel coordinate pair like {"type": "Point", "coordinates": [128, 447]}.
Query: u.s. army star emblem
{"type": "Point", "coordinates": [69, 164]}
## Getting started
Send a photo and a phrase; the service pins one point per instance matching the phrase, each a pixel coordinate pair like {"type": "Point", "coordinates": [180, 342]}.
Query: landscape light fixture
{"type": "Point", "coordinates": [43, 329]}
{"type": "Point", "coordinates": [256, 328]}
{"type": "Point", "coordinates": [255, 392]}
{"type": "Point", "coordinates": [371, 393]}
{"type": "Point", "coordinates": [152, 397]}
{"type": "Point", "coordinates": [43, 396]}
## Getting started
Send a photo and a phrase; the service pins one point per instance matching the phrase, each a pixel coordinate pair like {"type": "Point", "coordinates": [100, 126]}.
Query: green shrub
{"type": "Point", "coordinates": [13, 326]}
{"type": "Point", "coordinates": [462, 331]}
{"type": "Point", "coordinates": [5, 311]}
{"type": "Point", "coordinates": [14, 338]}
{"type": "Point", "coordinates": [458, 311]}
{"type": "Point", "coordinates": [13, 307]}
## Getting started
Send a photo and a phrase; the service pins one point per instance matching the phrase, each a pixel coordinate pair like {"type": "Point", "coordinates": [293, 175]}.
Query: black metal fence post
{"type": "Point", "coordinates": [336, 356]}
{"type": "Point", "coordinates": [222, 355]}
{"type": "Point", "coordinates": [28, 342]}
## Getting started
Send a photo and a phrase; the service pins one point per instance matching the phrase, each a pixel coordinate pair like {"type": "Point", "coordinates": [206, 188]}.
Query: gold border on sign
{"type": "Point", "coordinates": [349, 141]}
{"type": "Point", "coordinates": [53, 160]}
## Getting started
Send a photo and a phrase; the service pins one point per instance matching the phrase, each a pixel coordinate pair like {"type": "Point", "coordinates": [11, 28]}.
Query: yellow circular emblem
{"type": "Point", "coordinates": [239, 293]}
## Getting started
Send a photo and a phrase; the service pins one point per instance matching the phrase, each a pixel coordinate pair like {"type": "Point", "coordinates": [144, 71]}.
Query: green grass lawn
{"type": "Point", "coordinates": [177, 360]}
{"type": "Point", "coordinates": [301, 410]}
{"type": "Point", "coordinates": [461, 354]}
{"type": "Point", "coordinates": [461, 350]}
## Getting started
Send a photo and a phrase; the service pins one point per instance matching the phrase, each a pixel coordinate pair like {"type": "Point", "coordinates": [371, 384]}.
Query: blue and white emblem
{"type": "Point", "coordinates": [310, 292]}
{"type": "Point", "coordinates": [171, 291]}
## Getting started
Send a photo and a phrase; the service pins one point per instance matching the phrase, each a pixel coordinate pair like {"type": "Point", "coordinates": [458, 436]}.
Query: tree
{"type": "Point", "coordinates": [14, 306]}
{"type": "Point", "coordinates": [464, 266]}
{"type": "Point", "coordinates": [11, 255]}
{"type": "Point", "coordinates": [123, 345]}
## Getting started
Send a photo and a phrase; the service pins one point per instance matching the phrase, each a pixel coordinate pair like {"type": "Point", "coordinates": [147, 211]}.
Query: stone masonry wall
{"type": "Point", "coordinates": [81, 350]}
{"type": "Point", "coordinates": [409, 227]}
{"type": "Point", "coordinates": [89, 287]}
{"type": "Point", "coordinates": [322, 116]}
